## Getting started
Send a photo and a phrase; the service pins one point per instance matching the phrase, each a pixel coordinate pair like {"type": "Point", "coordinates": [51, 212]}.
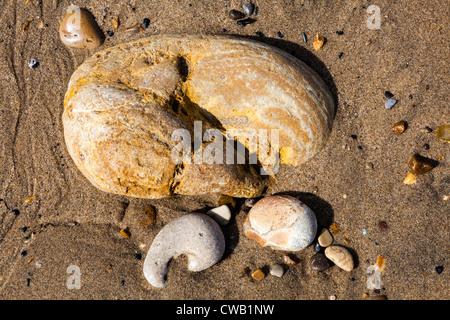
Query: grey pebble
{"type": "Point", "coordinates": [390, 103]}
{"type": "Point", "coordinates": [33, 63]}
{"type": "Point", "coordinates": [248, 8]}
{"type": "Point", "coordinates": [305, 38]}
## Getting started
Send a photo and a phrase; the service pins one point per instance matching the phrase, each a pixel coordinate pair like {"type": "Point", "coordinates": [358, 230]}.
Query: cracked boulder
{"type": "Point", "coordinates": [124, 107]}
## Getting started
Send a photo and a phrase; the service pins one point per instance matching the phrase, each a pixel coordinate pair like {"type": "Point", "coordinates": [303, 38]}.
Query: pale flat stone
{"type": "Point", "coordinates": [325, 238]}
{"type": "Point", "coordinates": [281, 222]}
{"type": "Point", "coordinates": [221, 215]}
{"type": "Point", "coordinates": [340, 256]}
{"type": "Point", "coordinates": [277, 270]}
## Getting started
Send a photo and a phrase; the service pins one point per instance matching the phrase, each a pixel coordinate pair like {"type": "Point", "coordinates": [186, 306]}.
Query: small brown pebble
{"type": "Point", "coordinates": [420, 165]}
{"type": "Point", "coordinates": [426, 146]}
{"type": "Point", "coordinates": [245, 270]}
{"type": "Point", "coordinates": [315, 189]}
{"type": "Point", "coordinates": [346, 240]}
{"type": "Point", "coordinates": [258, 275]}
{"type": "Point", "coordinates": [236, 15]}
{"type": "Point", "coordinates": [84, 33]}
{"type": "Point", "coordinates": [150, 212]}
{"type": "Point", "coordinates": [400, 127]}
{"type": "Point", "coordinates": [383, 226]}
{"type": "Point", "coordinates": [365, 296]}
{"type": "Point", "coordinates": [319, 262]}
{"type": "Point", "coordinates": [427, 129]}
{"type": "Point", "coordinates": [108, 267]}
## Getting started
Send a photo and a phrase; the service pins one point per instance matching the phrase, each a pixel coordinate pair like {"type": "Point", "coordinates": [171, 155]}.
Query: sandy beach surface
{"type": "Point", "coordinates": [356, 181]}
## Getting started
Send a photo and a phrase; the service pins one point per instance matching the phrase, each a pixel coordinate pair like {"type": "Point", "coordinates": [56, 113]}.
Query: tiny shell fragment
{"type": "Point", "coordinates": [27, 25]}
{"type": "Point", "coordinates": [340, 256]}
{"type": "Point", "coordinates": [318, 42]}
{"type": "Point", "coordinates": [443, 133]}
{"type": "Point", "coordinates": [115, 22]}
{"type": "Point", "coordinates": [380, 263]}
{"type": "Point", "coordinates": [281, 222]}
{"type": "Point", "coordinates": [335, 229]}
{"type": "Point", "coordinates": [134, 29]}
{"type": "Point", "coordinates": [125, 232]}
{"type": "Point", "coordinates": [288, 260]}
{"type": "Point", "coordinates": [29, 199]}
{"type": "Point", "coordinates": [410, 179]}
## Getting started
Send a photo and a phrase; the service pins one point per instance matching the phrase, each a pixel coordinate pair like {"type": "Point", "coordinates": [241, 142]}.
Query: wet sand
{"type": "Point", "coordinates": [354, 182]}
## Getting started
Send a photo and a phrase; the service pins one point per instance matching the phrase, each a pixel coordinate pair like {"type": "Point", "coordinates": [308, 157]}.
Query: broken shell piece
{"type": "Point", "coordinates": [410, 179]}
{"type": "Point", "coordinates": [78, 29]}
{"type": "Point", "coordinates": [340, 256]}
{"type": "Point", "coordinates": [134, 29]}
{"type": "Point", "coordinates": [281, 222]}
{"type": "Point", "coordinates": [221, 215]}
{"type": "Point", "coordinates": [318, 42]}
{"type": "Point", "coordinates": [195, 235]}
{"type": "Point", "coordinates": [420, 165]}
{"type": "Point", "coordinates": [443, 133]}
{"type": "Point", "coordinates": [115, 22]}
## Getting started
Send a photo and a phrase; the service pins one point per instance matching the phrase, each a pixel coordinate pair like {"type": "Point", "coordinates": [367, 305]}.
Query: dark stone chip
{"type": "Point", "coordinates": [439, 269]}
{"type": "Point", "coordinates": [319, 262]}
{"type": "Point", "coordinates": [246, 21]}
{"type": "Point", "coordinates": [388, 94]}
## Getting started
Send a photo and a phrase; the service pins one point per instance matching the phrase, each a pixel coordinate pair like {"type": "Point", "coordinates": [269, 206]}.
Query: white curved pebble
{"type": "Point", "coordinates": [281, 222]}
{"type": "Point", "coordinates": [196, 235]}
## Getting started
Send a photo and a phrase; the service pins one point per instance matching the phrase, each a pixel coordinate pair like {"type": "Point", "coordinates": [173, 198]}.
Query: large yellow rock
{"type": "Point", "coordinates": [123, 104]}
